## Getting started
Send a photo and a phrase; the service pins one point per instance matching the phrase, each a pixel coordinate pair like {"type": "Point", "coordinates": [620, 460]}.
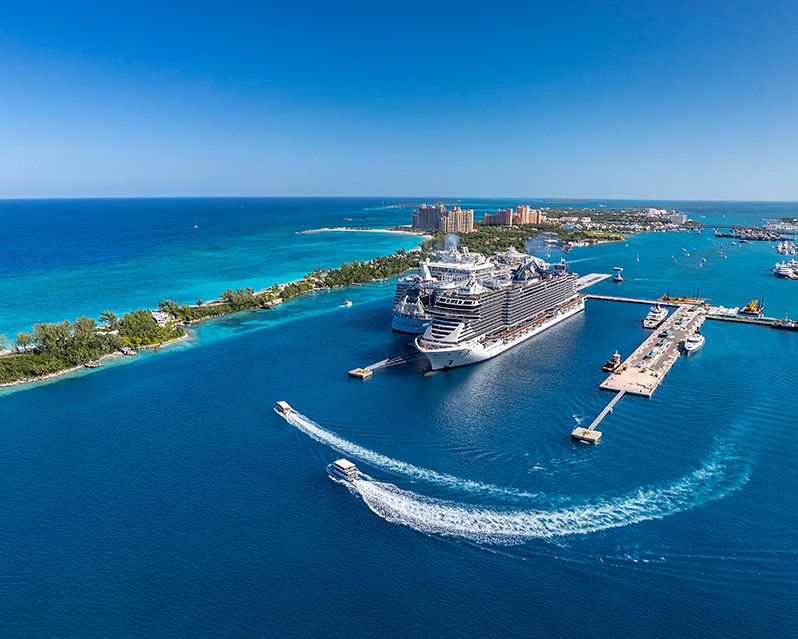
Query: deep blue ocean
{"type": "Point", "coordinates": [162, 496]}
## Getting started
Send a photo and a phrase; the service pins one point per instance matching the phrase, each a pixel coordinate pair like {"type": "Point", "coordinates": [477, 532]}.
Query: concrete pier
{"type": "Point", "coordinates": [644, 370]}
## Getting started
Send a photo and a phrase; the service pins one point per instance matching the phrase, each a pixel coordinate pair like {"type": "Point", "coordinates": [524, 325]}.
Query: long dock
{"type": "Point", "coordinates": [644, 370]}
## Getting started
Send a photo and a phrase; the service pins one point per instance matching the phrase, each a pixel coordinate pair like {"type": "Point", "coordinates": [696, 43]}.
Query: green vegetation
{"type": "Point", "coordinates": [49, 348]}
{"type": "Point", "coordinates": [491, 239]}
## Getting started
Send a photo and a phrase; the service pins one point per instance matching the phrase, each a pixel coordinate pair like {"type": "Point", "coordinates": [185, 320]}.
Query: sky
{"type": "Point", "coordinates": [652, 100]}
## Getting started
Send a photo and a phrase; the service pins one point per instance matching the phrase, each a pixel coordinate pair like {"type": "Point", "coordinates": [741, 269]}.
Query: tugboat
{"type": "Point", "coordinates": [786, 324]}
{"type": "Point", "coordinates": [656, 315]}
{"type": "Point", "coordinates": [613, 363]}
{"type": "Point", "coordinates": [754, 307]}
{"type": "Point", "coordinates": [693, 343]}
{"type": "Point", "coordinates": [343, 469]}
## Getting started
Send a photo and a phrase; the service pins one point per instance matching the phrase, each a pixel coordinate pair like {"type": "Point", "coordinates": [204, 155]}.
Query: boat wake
{"type": "Point", "coordinates": [711, 481]}
{"type": "Point", "coordinates": [320, 434]}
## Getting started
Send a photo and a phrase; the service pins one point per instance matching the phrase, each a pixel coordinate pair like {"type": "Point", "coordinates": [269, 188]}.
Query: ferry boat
{"type": "Point", "coordinates": [343, 469]}
{"type": "Point", "coordinates": [613, 364]}
{"type": "Point", "coordinates": [656, 315]}
{"type": "Point", "coordinates": [754, 307]}
{"type": "Point", "coordinates": [479, 320]}
{"type": "Point", "coordinates": [693, 343]}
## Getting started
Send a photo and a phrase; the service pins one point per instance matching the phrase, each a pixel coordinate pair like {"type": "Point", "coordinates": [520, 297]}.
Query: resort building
{"type": "Point", "coordinates": [507, 217]}
{"type": "Point", "coordinates": [678, 218]}
{"type": "Point", "coordinates": [457, 220]}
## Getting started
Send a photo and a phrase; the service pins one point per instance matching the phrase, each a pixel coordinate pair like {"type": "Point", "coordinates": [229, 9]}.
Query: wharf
{"type": "Point", "coordinates": [590, 279]}
{"type": "Point", "coordinates": [630, 300]}
{"type": "Point", "coordinates": [644, 370]}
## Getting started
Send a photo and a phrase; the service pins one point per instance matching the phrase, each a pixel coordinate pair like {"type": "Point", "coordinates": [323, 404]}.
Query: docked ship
{"type": "Point", "coordinates": [613, 364]}
{"type": "Point", "coordinates": [656, 315]}
{"type": "Point", "coordinates": [415, 292]}
{"type": "Point", "coordinates": [693, 343]}
{"type": "Point", "coordinates": [477, 320]}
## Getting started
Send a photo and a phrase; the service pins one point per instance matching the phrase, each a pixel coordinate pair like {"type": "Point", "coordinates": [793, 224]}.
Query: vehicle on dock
{"type": "Point", "coordinates": [656, 315]}
{"type": "Point", "coordinates": [613, 364]}
{"type": "Point", "coordinates": [693, 343]}
{"type": "Point", "coordinates": [754, 307]}
{"type": "Point", "coordinates": [282, 408]}
{"type": "Point", "coordinates": [343, 469]}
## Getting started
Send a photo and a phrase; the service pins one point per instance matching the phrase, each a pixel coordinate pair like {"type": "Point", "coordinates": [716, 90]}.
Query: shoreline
{"type": "Point", "coordinates": [352, 229]}
{"type": "Point", "coordinates": [74, 369]}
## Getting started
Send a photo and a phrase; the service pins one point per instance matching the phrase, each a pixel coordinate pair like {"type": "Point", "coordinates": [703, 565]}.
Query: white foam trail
{"type": "Point", "coordinates": [312, 429]}
{"type": "Point", "coordinates": [707, 483]}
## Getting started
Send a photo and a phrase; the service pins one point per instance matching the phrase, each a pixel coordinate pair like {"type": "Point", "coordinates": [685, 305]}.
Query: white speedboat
{"type": "Point", "coordinates": [282, 408]}
{"type": "Point", "coordinates": [656, 315]}
{"type": "Point", "coordinates": [343, 469]}
{"type": "Point", "coordinates": [347, 303]}
{"type": "Point", "coordinates": [694, 343]}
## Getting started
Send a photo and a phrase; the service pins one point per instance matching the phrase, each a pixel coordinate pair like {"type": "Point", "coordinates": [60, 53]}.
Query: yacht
{"type": "Point", "coordinates": [694, 343]}
{"type": "Point", "coordinates": [343, 469]}
{"type": "Point", "coordinates": [656, 315]}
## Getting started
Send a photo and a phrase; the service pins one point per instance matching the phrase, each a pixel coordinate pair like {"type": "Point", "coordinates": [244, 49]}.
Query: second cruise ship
{"type": "Point", "coordinates": [477, 320]}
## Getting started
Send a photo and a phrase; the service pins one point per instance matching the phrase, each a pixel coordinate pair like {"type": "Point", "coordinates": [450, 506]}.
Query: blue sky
{"type": "Point", "coordinates": [666, 100]}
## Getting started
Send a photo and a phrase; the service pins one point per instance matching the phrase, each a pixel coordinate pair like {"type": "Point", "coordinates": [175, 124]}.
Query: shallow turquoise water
{"type": "Point", "coordinates": [163, 498]}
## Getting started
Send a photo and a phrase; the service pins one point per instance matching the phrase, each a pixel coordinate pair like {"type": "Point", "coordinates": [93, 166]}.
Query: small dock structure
{"type": "Point", "coordinates": [590, 435]}
{"type": "Point", "coordinates": [644, 370]}
{"type": "Point", "coordinates": [361, 373]}
{"type": "Point", "coordinates": [590, 279]}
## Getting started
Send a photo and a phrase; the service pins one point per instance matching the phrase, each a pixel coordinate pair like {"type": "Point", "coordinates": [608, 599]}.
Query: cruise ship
{"type": "Point", "coordinates": [477, 320]}
{"type": "Point", "coordinates": [415, 292]}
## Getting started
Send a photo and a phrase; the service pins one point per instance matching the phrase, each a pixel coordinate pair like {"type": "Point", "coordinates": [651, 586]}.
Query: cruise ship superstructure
{"type": "Point", "coordinates": [415, 292]}
{"type": "Point", "coordinates": [476, 320]}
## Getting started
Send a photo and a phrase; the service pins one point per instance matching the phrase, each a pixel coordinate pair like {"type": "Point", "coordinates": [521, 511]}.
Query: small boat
{"type": "Point", "coordinates": [92, 365]}
{"type": "Point", "coordinates": [687, 255]}
{"type": "Point", "coordinates": [347, 303]}
{"type": "Point", "coordinates": [282, 408]}
{"type": "Point", "coordinates": [693, 343]}
{"type": "Point", "coordinates": [703, 259]}
{"type": "Point", "coordinates": [786, 324]}
{"type": "Point", "coordinates": [343, 469]}
{"type": "Point", "coordinates": [196, 226]}
{"type": "Point", "coordinates": [754, 307]}
{"type": "Point", "coordinates": [637, 259]}
{"type": "Point", "coordinates": [613, 363]}
{"type": "Point", "coordinates": [656, 315]}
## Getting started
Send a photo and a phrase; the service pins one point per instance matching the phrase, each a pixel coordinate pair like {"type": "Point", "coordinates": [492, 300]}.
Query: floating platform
{"type": "Point", "coordinates": [585, 435]}
{"type": "Point", "coordinates": [360, 373]}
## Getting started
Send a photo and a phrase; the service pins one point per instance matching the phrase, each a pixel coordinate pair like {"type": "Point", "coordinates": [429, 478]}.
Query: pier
{"type": "Point", "coordinates": [643, 371]}
{"type": "Point", "coordinates": [590, 435]}
{"type": "Point", "coordinates": [590, 279]}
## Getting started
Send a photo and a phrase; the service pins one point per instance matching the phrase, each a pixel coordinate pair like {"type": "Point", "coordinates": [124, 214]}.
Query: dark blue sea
{"type": "Point", "coordinates": [162, 496]}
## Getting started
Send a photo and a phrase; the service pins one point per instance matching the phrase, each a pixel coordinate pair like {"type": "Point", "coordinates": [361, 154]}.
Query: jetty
{"type": "Point", "coordinates": [590, 279]}
{"type": "Point", "coordinates": [643, 371]}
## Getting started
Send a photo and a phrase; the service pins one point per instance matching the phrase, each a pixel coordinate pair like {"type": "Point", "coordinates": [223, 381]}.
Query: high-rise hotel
{"type": "Point", "coordinates": [437, 217]}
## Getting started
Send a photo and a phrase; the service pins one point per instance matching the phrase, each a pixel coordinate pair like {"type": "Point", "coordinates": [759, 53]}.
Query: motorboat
{"type": "Point", "coordinates": [343, 469]}
{"type": "Point", "coordinates": [282, 408]}
{"type": "Point", "coordinates": [693, 343]}
{"type": "Point", "coordinates": [347, 303]}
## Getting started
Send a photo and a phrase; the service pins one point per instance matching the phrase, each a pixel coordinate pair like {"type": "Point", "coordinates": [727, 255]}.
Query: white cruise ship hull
{"type": "Point", "coordinates": [475, 351]}
{"type": "Point", "coordinates": [405, 323]}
